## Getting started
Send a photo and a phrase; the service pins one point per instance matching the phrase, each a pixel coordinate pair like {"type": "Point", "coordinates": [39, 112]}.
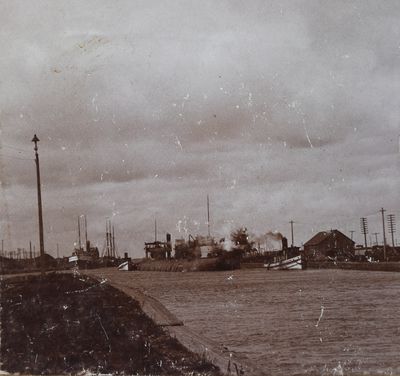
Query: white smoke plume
{"type": "Point", "coordinates": [270, 241]}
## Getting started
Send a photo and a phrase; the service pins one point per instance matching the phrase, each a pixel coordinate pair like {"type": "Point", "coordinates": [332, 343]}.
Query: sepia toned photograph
{"type": "Point", "coordinates": [200, 188]}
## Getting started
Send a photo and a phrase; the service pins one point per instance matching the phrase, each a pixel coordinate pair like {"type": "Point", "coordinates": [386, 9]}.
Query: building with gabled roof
{"type": "Point", "coordinates": [333, 244]}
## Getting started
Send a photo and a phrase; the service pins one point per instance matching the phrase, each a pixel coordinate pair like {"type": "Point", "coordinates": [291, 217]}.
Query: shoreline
{"type": "Point", "coordinates": [82, 324]}
{"type": "Point", "coordinates": [212, 350]}
{"type": "Point", "coordinates": [226, 361]}
{"type": "Point", "coordinates": [366, 266]}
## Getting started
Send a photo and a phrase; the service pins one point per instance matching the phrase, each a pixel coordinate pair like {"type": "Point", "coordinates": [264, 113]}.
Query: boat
{"type": "Point", "coordinates": [200, 253]}
{"type": "Point", "coordinates": [109, 256]}
{"type": "Point", "coordinates": [293, 263]}
{"type": "Point", "coordinates": [126, 265]}
{"type": "Point", "coordinates": [196, 253]}
{"type": "Point", "coordinates": [84, 257]}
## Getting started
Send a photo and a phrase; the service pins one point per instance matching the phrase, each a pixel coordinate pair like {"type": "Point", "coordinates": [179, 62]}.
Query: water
{"type": "Point", "coordinates": [314, 322]}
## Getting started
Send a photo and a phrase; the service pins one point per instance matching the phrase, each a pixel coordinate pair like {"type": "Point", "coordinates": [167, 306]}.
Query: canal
{"type": "Point", "coordinates": [313, 322]}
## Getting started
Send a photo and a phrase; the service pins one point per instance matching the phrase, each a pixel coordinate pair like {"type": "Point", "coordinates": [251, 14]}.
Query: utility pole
{"type": "Point", "coordinates": [351, 234]}
{"type": "Point", "coordinates": [208, 215]}
{"type": "Point", "coordinates": [364, 230]}
{"type": "Point", "coordinates": [384, 233]}
{"type": "Point", "coordinates": [376, 237]}
{"type": "Point", "coordinates": [291, 230]}
{"type": "Point", "coordinates": [155, 230]}
{"type": "Point", "coordinates": [35, 140]}
{"type": "Point", "coordinates": [392, 226]}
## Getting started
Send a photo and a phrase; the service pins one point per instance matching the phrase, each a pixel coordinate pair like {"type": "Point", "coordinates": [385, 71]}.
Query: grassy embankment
{"type": "Point", "coordinates": [66, 324]}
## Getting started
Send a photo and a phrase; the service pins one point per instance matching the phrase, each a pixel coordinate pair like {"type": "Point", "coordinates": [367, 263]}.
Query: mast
{"type": "Point", "coordinates": [113, 242]}
{"type": "Point", "coordinates": [155, 230]}
{"type": "Point", "coordinates": [109, 244]}
{"type": "Point", "coordinates": [79, 232]}
{"type": "Point", "coordinates": [86, 241]}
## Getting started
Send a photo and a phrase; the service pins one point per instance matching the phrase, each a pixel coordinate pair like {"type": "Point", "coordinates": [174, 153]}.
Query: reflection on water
{"type": "Point", "coordinates": [327, 322]}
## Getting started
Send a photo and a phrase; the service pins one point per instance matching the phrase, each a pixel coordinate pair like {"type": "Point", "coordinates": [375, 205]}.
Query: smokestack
{"type": "Point", "coordinates": [169, 245]}
{"type": "Point", "coordinates": [284, 244]}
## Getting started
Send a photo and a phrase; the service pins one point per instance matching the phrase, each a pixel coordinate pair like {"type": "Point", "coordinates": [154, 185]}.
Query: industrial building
{"type": "Point", "coordinates": [329, 244]}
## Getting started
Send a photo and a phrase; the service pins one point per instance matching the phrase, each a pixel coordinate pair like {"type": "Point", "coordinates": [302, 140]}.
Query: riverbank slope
{"type": "Point", "coordinates": [63, 323]}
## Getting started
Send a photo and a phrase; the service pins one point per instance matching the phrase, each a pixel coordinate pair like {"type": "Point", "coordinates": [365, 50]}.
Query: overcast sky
{"type": "Point", "coordinates": [279, 110]}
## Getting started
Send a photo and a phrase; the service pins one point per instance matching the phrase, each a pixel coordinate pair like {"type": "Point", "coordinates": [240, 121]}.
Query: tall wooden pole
{"type": "Point", "coordinates": [384, 233]}
{"type": "Point", "coordinates": [392, 227]}
{"type": "Point", "coordinates": [35, 140]}
{"type": "Point", "coordinates": [364, 230]}
{"type": "Point", "coordinates": [208, 215]}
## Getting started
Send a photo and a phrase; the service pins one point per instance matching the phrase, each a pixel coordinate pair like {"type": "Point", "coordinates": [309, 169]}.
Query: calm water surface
{"type": "Point", "coordinates": [314, 322]}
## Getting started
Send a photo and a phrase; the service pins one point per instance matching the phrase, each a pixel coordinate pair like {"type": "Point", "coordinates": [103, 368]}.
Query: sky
{"type": "Point", "coordinates": [278, 110]}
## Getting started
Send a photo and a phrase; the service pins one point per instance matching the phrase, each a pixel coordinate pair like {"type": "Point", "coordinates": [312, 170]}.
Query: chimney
{"type": "Point", "coordinates": [284, 244]}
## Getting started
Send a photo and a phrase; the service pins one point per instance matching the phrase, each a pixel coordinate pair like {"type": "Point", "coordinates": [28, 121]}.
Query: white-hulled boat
{"type": "Point", "coordinates": [287, 264]}
{"type": "Point", "coordinates": [126, 265]}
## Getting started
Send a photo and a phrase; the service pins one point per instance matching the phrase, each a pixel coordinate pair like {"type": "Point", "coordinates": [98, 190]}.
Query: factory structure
{"type": "Point", "coordinates": [331, 244]}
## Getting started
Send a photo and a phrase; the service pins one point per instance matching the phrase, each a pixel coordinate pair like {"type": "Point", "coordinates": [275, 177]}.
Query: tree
{"type": "Point", "coordinates": [240, 240]}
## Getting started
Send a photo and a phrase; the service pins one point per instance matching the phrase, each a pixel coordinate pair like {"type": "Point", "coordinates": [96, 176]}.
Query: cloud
{"type": "Point", "coordinates": [279, 110]}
